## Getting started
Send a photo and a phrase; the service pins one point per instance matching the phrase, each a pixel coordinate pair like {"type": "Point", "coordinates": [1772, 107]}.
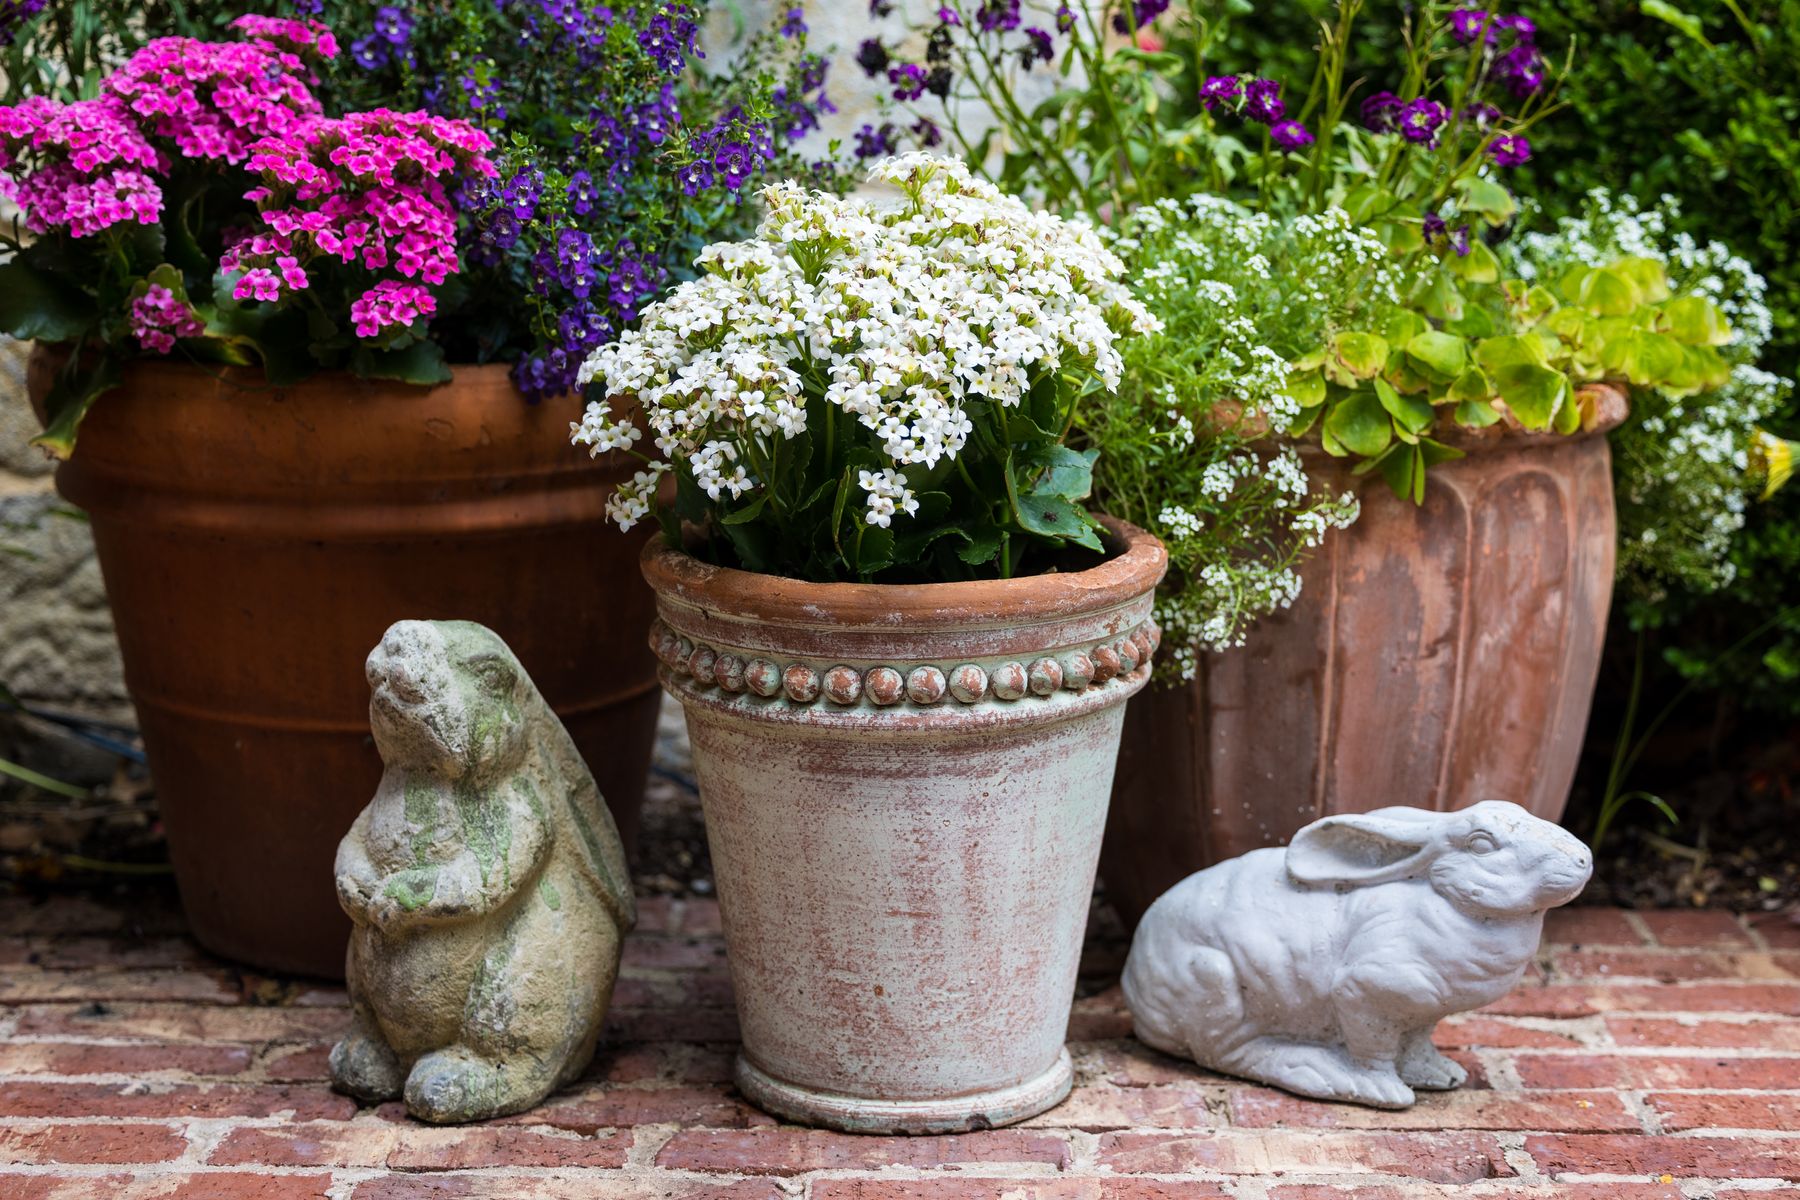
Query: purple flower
{"type": "Point", "coordinates": [668, 37]}
{"type": "Point", "coordinates": [1481, 115]}
{"type": "Point", "coordinates": [872, 57]}
{"type": "Point", "coordinates": [1262, 101]}
{"type": "Point", "coordinates": [1037, 47]}
{"type": "Point", "coordinates": [1220, 89]}
{"type": "Point", "coordinates": [1435, 230]}
{"type": "Point", "coordinates": [1421, 120]}
{"type": "Point", "coordinates": [370, 52]}
{"type": "Point", "coordinates": [1001, 15]}
{"type": "Point", "coordinates": [1521, 69]}
{"type": "Point", "coordinates": [392, 25]}
{"type": "Point", "coordinates": [1510, 150]}
{"type": "Point", "coordinates": [908, 80]}
{"type": "Point", "coordinates": [925, 131]}
{"type": "Point", "coordinates": [1142, 13]}
{"type": "Point", "coordinates": [1522, 27]}
{"type": "Point", "coordinates": [794, 24]}
{"type": "Point", "coordinates": [1433, 227]}
{"type": "Point", "coordinates": [737, 164]}
{"type": "Point", "coordinates": [947, 16]}
{"type": "Point", "coordinates": [1290, 135]}
{"type": "Point", "coordinates": [581, 193]}
{"type": "Point", "coordinates": [874, 143]}
{"type": "Point", "coordinates": [696, 177]}
{"type": "Point", "coordinates": [880, 8]}
{"type": "Point", "coordinates": [1466, 25]}
{"type": "Point", "coordinates": [1065, 18]}
{"type": "Point", "coordinates": [1380, 111]}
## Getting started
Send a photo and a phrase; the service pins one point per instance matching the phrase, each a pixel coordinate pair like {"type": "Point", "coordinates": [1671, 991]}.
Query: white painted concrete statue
{"type": "Point", "coordinates": [1323, 967]}
{"type": "Point", "coordinates": [486, 882]}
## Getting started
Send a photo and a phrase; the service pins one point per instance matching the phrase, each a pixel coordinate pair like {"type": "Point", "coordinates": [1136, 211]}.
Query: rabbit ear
{"type": "Point", "coordinates": [1362, 848]}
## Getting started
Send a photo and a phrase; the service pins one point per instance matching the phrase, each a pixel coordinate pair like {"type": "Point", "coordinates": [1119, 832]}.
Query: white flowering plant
{"type": "Point", "coordinates": [1688, 461]}
{"type": "Point", "coordinates": [874, 390]}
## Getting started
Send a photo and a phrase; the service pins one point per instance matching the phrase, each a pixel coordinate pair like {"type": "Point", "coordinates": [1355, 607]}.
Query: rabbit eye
{"type": "Point", "coordinates": [1482, 843]}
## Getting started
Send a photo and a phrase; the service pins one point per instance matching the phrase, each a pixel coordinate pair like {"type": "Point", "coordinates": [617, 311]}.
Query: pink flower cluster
{"type": "Point", "coordinates": [158, 317]}
{"type": "Point", "coordinates": [90, 166]}
{"type": "Point", "coordinates": [370, 189]}
{"type": "Point", "coordinates": [299, 37]}
{"type": "Point", "coordinates": [215, 100]}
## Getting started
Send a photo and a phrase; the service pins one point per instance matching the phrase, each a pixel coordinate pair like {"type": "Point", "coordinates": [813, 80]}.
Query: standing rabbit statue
{"type": "Point", "coordinates": [486, 883]}
{"type": "Point", "coordinates": [1322, 968]}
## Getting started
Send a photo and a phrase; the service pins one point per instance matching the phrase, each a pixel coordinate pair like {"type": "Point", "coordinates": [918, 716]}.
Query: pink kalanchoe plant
{"type": "Point", "coordinates": [205, 194]}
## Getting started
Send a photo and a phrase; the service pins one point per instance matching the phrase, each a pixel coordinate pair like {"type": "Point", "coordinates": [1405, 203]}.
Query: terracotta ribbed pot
{"type": "Point", "coordinates": [905, 788]}
{"type": "Point", "coordinates": [257, 542]}
{"type": "Point", "coordinates": [1437, 656]}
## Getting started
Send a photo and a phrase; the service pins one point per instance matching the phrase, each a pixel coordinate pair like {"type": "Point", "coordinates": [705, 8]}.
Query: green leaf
{"type": "Point", "coordinates": [984, 545]}
{"type": "Point", "coordinates": [1479, 195]}
{"type": "Point", "coordinates": [1362, 355]}
{"type": "Point", "coordinates": [1404, 326]}
{"type": "Point", "coordinates": [1411, 413]}
{"type": "Point", "coordinates": [874, 550]}
{"type": "Point", "coordinates": [1360, 424]}
{"type": "Point", "coordinates": [420, 363]}
{"type": "Point", "coordinates": [1686, 22]}
{"type": "Point", "coordinates": [1510, 350]}
{"type": "Point", "coordinates": [1442, 354]}
{"type": "Point", "coordinates": [43, 306]}
{"type": "Point", "coordinates": [1058, 470]}
{"type": "Point", "coordinates": [748, 512]}
{"type": "Point", "coordinates": [1307, 388]}
{"type": "Point", "coordinates": [1442, 301]}
{"type": "Point", "coordinates": [1471, 385]}
{"type": "Point", "coordinates": [1608, 291]}
{"type": "Point", "coordinates": [1479, 265]}
{"type": "Point", "coordinates": [1531, 391]}
{"type": "Point", "coordinates": [70, 398]}
{"type": "Point", "coordinates": [1647, 275]}
{"type": "Point", "coordinates": [1696, 321]}
{"type": "Point", "coordinates": [1405, 473]}
{"type": "Point", "coordinates": [1476, 414]}
{"type": "Point", "coordinates": [1054, 517]}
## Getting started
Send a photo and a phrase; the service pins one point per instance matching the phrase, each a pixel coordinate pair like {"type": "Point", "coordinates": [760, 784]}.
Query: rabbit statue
{"type": "Point", "coordinates": [486, 884]}
{"type": "Point", "coordinates": [1323, 967]}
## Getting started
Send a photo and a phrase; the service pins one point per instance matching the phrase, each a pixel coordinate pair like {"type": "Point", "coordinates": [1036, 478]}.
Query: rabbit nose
{"type": "Point", "coordinates": [403, 683]}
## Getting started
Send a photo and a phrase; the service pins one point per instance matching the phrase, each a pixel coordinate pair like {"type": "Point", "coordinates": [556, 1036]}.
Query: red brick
{"type": "Point", "coordinates": [634, 1064]}
{"type": "Point", "coordinates": [672, 989]}
{"type": "Point", "coordinates": [1781, 930]}
{"type": "Point", "coordinates": [1590, 927]}
{"type": "Point", "coordinates": [958, 1188]}
{"type": "Point", "coordinates": [573, 1186]}
{"type": "Point", "coordinates": [35, 985]}
{"type": "Point", "coordinates": [1101, 1017]}
{"type": "Point", "coordinates": [700, 918]}
{"type": "Point", "coordinates": [1656, 1071]}
{"type": "Point", "coordinates": [214, 1185]}
{"type": "Point", "coordinates": [1133, 1064]}
{"type": "Point", "coordinates": [83, 953]}
{"type": "Point", "coordinates": [1433, 1157]}
{"type": "Point", "coordinates": [414, 1147]}
{"type": "Point", "coordinates": [1695, 927]}
{"type": "Point", "coordinates": [1762, 1110]}
{"type": "Point", "coordinates": [1685, 1033]}
{"type": "Point", "coordinates": [1480, 1031]}
{"type": "Point", "coordinates": [91, 1144]}
{"type": "Point", "coordinates": [1585, 1000]}
{"type": "Point", "coordinates": [1590, 1112]}
{"type": "Point", "coordinates": [91, 1058]}
{"type": "Point", "coordinates": [594, 1108]}
{"type": "Point", "coordinates": [674, 954]}
{"type": "Point", "coordinates": [298, 1064]}
{"type": "Point", "coordinates": [32, 1099]}
{"type": "Point", "coordinates": [1097, 1107]}
{"type": "Point", "coordinates": [178, 1022]}
{"type": "Point", "coordinates": [792, 1151]}
{"type": "Point", "coordinates": [142, 914]}
{"type": "Point", "coordinates": [1517, 1191]}
{"type": "Point", "coordinates": [653, 915]}
{"type": "Point", "coordinates": [671, 1025]}
{"type": "Point", "coordinates": [1682, 1157]}
{"type": "Point", "coordinates": [1664, 966]}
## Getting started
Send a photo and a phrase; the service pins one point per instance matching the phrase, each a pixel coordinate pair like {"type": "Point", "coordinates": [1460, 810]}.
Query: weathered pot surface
{"type": "Point", "coordinates": [905, 788]}
{"type": "Point", "coordinates": [256, 541]}
{"type": "Point", "coordinates": [1437, 656]}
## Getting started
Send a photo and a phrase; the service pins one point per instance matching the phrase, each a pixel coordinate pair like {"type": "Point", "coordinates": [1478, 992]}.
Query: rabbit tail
{"type": "Point", "coordinates": [1188, 1005]}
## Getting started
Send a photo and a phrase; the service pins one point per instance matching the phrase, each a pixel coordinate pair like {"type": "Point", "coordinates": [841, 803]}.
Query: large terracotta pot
{"type": "Point", "coordinates": [905, 788]}
{"type": "Point", "coordinates": [1437, 656]}
{"type": "Point", "coordinates": [257, 542]}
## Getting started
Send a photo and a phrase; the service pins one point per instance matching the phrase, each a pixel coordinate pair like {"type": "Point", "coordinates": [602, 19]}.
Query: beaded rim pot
{"type": "Point", "coordinates": [1437, 656]}
{"type": "Point", "coordinates": [905, 788]}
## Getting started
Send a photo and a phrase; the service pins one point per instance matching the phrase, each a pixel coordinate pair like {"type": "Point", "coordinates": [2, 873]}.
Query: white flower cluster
{"type": "Point", "coordinates": [887, 494]}
{"type": "Point", "coordinates": [895, 314]}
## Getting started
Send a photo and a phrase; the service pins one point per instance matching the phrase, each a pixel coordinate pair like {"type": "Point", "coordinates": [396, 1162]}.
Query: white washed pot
{"type": "Point", "coordinates": [905, 789]}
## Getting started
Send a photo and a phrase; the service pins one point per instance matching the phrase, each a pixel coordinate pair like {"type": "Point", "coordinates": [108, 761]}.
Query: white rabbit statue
{"type": "Point", "coordinates": [1322, 968]}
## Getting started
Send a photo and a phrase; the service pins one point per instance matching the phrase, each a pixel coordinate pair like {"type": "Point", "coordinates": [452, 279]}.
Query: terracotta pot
{"type": "Point", "coordinates": [1437, 656]}
{"type": "Point", "coordinates": [905, 788]}
{"type": "Point", "coordinates": [256, 543]}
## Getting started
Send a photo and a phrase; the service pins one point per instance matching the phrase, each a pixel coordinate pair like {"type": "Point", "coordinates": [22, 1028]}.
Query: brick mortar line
{"type": "Point", "coordinates": [1640, 927]}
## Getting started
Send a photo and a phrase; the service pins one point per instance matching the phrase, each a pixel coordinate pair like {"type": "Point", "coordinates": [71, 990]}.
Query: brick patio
{"type": "Point", "coordinates": [1650, 1055]}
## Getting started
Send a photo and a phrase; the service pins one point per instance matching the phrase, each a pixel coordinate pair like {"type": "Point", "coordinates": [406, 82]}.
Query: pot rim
{"type": "Point", "coordinates": [252, 379]}
{"type": "Point", "coordinates": [1134, 567]}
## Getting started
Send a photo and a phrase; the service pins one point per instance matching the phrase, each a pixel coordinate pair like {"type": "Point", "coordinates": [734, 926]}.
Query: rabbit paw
{"type": "Point", "coordinates": [1423, 1067]}
{"type": "Point", "coordinates": [1321, 1072]}
{"type": "Point", "coordinates": [449, 1086]}
{"type": "Point", "coordinates": [366, 1068]}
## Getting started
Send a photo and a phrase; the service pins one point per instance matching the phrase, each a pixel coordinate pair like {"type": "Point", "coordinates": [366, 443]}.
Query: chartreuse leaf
{"type": "Point", "coordinates": [1696, 321]}
{"type": "Point", "coordinates": [1471, 385]}
{"type": "Point", "coordinates": [1510, 350]}
{"type": "Point", "coordinates": [1358, 354]}
{"type": "Point", "coordinates": [1647, 275]}
{"type": "Point", "coordinates": [1404, 326]}
{"type": "Point", "coordinates": [1442, 355]}
{"type": "Point", "coordinates": [1483, 196]}
{"type": "Point", "coordinates": [42, 306]}
{"type": "Point", "coordinates": [1411, 413]}
{"type": "Point", "coordinates": [1307, 388]}
{"type": "Point", "coordinates": [1058, 470]}
{"type": "Point", "coordinates": [1360, 424]}
{"type": "Point", "coordinates": [1479, 265]}
{"type": "Point", "coordinates": [1476, 414]}
{"type": "Point", "coordinates": [76, 388]}
{"type": "Point", "coordinates": [1609, 291]}
{"type": "Point", "coordinates": [1531, 391]}
{"type": "Point", "coordinates": [1442, 301]}
{"type": "Point", "coordinates": [1568, 416]}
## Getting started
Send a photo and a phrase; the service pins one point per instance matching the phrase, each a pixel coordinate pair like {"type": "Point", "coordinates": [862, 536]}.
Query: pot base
{"type": "Point", "coordinates": [953, 1114]}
